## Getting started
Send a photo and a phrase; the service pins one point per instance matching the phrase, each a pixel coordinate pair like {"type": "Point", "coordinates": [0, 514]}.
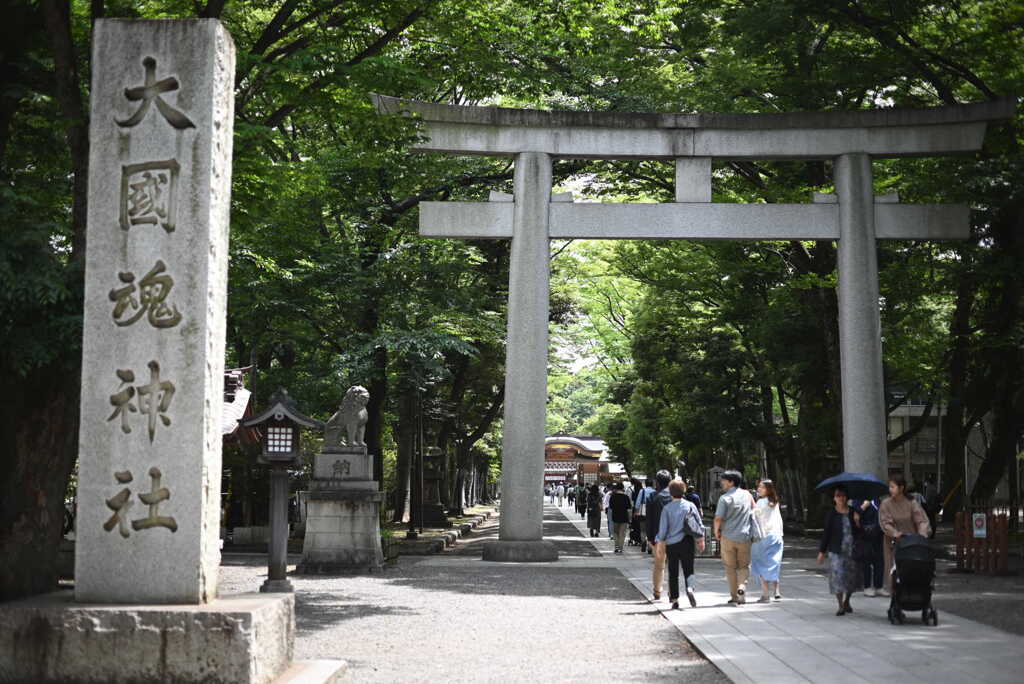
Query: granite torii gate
{"type": "Point", "coordinates": [532, 217]}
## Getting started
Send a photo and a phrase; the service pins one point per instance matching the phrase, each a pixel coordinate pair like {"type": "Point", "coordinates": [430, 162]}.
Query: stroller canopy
{"type": "Point", "coordinates": [913, 547]}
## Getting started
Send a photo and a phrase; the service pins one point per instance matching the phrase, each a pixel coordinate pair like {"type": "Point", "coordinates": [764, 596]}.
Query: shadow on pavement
{"type": "Point", "coordinates": [315, 611]}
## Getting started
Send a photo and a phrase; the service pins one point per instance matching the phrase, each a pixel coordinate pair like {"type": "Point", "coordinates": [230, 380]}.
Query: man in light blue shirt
{"type": "Point", "coordinates": [680, 529]}
{"type": "Point", "coordinates": [732, 529]}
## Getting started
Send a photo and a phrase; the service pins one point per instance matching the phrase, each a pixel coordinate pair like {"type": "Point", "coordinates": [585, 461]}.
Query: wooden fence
{"type": "Point", "coordinates": [982, 554]}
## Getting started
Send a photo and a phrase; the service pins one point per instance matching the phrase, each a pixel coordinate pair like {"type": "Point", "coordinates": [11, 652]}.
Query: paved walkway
{"type": "Point", "coordinates": [800, 639]}
{"type": "Point", "coordinates": [453, 618]}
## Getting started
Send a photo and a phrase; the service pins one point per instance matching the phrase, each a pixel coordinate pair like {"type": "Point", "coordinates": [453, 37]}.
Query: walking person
{"type": "Point", "coordinates": [607, 510]}
{"type": "Point", "coordinates": [692, 496]}
{"type": "Point", "coordinates": [570, 495]}
{"type": "Point", "coordinates": [639, 522]}
{"type": "Point", "coordinates": [595, 504]}
{"type": "Point", "coordinates": [732, 529]}
{"type": "Point", "coordinates": [680, 529]}
{"type": "Point", "coordinates": [873, 538]}
{"type": "Point", "coordinates": [581, 500]}
{"type": "Point", "coordinates": [655, 505]}
{"type": "Point", "coordinates": [766, 553]}
{"type": "Point", "coordinates": [842, 527]}
{"type": "Point", "coordinates": [621, 508]}
{"type": "Point", "coordinates": [899, 515]}
{"type": "Point", "coordinates": [560, 494]}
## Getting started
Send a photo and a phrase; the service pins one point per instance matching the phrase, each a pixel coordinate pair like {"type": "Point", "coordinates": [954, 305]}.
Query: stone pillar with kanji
{"type": "Point", "coordinates": [155, 298]}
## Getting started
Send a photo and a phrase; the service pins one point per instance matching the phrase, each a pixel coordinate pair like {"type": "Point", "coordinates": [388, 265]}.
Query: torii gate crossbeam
{"type": "Point", "coordinates": [853, 216]}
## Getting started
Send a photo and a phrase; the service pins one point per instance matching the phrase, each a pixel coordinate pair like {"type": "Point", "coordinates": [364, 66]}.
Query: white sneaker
{"type": "Point", "coordinates": [870, 591]}
{"type": "Point", "coordinates": [883, 592]}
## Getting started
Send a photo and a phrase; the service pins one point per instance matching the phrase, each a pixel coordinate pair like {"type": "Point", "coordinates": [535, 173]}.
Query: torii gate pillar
{"type": "Point", "coordinates": [860, 326]}
{"type": "Point", "coordinates": [526, 389]}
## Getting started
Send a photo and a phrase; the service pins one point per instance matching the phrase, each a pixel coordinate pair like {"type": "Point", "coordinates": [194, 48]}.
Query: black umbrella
{"type": "Point", "coordinates": [858, 486]}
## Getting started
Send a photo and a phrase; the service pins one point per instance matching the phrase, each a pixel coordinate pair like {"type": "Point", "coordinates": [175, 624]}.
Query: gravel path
{"type": "Point", "coordinates": [467, 621]}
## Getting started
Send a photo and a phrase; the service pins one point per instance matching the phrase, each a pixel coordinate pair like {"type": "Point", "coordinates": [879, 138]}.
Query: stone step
{"type": "Point", "coordinates": [316, 672]}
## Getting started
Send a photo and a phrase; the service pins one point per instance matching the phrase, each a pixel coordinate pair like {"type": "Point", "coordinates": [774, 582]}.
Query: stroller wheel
{"type": "Point", "coordinates": [900, 616]}
{"type": "Point", "coordinates": [925, 617]}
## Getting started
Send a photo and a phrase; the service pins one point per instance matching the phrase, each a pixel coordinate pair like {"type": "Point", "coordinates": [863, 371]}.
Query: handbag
{"type": "Point", "coordinates": [756, 531]}
{"type": "Point", "coordinates": [641, 508]}
{"type": "Point", "coordinates": [861, 550]}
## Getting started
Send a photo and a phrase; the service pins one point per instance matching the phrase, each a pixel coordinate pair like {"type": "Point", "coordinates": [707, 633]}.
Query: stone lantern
{"type": "Point", "coordinates": [280, 425]}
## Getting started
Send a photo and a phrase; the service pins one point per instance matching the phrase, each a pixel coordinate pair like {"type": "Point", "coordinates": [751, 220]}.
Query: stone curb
{"type": "Point", "coordinates": [447, 538]}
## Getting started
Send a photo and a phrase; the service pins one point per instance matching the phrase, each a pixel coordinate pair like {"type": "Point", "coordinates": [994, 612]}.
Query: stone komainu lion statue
{"type": "Point", "coordinates": [351, 418]}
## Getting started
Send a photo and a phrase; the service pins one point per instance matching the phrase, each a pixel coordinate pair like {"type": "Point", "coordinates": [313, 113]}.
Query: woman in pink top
{"type": "Point", "coordinates": [899, 515]}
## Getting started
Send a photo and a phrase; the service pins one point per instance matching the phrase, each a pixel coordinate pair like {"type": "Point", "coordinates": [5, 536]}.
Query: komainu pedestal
{"type": "Point", "coordinates": [342, 514]}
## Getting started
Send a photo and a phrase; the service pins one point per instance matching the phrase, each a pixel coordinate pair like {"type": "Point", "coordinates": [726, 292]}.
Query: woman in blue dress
{"type": "Point", "coordinates": [842, 527]}
{"type": "Point", "coordinates": [766, 554]}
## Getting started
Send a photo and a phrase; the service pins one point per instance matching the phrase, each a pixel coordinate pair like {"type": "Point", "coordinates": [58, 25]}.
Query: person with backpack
{"type": "Point", "coordinates": [692, 496]}
{"type": "Point", "coordinates": [872, 538]}
{"type": "Point", "coordinates": [640, 512]}
{"type": "Point", "coordinates": [680, 531]}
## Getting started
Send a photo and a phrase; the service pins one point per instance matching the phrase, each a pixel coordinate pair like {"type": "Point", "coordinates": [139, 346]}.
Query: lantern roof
{"type": "Point", "coordinates": [281, 405]}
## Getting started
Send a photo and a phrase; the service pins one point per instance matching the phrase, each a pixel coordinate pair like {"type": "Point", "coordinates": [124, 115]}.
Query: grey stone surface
{"type": "Point", "coordinates": [250, 535]}
{"type": "Point", "coordinates": [721, 144]}
{"type": "Point", "coordinates": [860, 327]}
{"type": "Point", "coordinates": [342, 533]}
{"type": "Point", "coordinates": [244, 638]}
{"type": "Point", "coordinates": [495, 131]}
{"type": "Point", "coordinates": [1003, 108]}
{"type": "Point", "coordinates": [520, 551]}
{"type": "Point", "coordinates": [316, 672]}
{"type": "Point", "coordinates": [277, 561]}
{"type": "Point", "coordinates": [693, 179]}
{"type": "Point", "coordinates": [697, 221]}
{"type": "Point", "coordinates": [451, 618]}
{"type": "Point", "coordinates": [155, 293]}
{"type": "Point", "coordinates": [341, 464]}
{"type": "Point", "coordinates": [799, 639]}
{"type": "Point", "coordinates": [526, 356]}
{"type": "Point", "coordinates": [348, 425]}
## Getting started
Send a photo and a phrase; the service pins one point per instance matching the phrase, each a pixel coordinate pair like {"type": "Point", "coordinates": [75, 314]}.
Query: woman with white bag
{"type": "Point", "coordinates": [766, 554]}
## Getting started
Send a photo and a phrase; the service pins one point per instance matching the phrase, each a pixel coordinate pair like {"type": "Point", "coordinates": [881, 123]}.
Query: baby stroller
{"type": "Point", "coordinates": [913, 581]}
{"type": "Point", "coordinates": [636, 533]}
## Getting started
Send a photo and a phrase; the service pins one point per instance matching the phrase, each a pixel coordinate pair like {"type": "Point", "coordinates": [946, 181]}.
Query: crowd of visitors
{"type": "Point", "coordinates": [663, 516]}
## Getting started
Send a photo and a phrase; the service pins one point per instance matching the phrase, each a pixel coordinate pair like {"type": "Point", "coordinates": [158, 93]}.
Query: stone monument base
{"type": "Point", "coordinates": [434, 516]}
{"type": "Point", "coordinates": [247, 638]}
{"type": "Point", "coordinates": [342, 531]}
{"type": "Point", "coordinates": [538, 551]}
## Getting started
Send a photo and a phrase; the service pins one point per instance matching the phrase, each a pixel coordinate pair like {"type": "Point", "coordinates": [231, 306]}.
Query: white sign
{"type": "Point", "coordinates": [980, 525]}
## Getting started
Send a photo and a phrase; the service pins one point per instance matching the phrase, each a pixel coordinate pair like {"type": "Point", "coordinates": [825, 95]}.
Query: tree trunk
{"type": "Point", "coordinates": [405, 436]}
{"type": "Point", "coordinates": [1003, 353]}
{"type": "Point", "coordinates": [246, 494]}
{"type": "Point", "coordinates": [375, 411]}
{"type": "Point", "coordinates": [1001, 452]}
{"type": "Point", "coordinates": [39, 440]}
{"type": "Point", "coordinates": [954, 435]}
{"type": "Point", "coordinates": [76, 124]}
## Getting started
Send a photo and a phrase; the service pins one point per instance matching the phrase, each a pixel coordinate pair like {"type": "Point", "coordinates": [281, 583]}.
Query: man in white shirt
{"type": "Point", "coordinates": [560, 493]}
